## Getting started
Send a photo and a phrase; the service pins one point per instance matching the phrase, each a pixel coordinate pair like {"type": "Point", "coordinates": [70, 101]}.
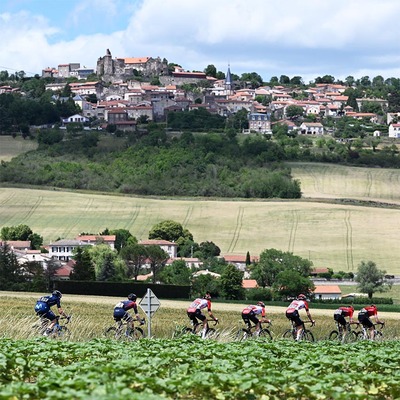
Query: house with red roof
{"type": "Point", "coordinates": [327, 292]}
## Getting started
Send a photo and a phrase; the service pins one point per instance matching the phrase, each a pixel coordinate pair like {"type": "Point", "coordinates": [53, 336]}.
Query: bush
{"type": "Point", "coordinates": [259, 294]}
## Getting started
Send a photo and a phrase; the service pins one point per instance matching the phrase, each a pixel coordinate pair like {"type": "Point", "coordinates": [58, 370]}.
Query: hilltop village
{"type": "Point", "coordinates": [142, 89]}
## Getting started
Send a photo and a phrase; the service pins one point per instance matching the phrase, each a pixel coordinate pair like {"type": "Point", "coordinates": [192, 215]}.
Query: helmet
{"type": "Point", "coordinates": [57, 293]}
{"type": "Point", "coordinates": [260, 303]}
{"type": "Point", "coordinates": [301, 297]}
{"type": "Point", "coordinates": [132, 297]}
{"type": "Point", "coordinates": [207, 296]}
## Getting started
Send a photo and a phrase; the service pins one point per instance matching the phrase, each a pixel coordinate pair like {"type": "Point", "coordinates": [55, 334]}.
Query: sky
{"type": "Point", "coordinates": [307, 38]}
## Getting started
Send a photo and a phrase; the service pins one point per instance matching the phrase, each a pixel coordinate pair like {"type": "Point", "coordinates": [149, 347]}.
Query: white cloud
{"type": "Point", "coordinates": [295, 37]}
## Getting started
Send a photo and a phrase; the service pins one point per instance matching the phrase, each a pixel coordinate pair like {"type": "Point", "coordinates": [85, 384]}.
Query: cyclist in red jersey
{"type": "Point", "coordinates": [250, 314]}
{"type": "Point", "coordinates": [364, 318]}
{"type": "Point", "coordinates": [194, 312]}
{"type": "Point", "coordinates": [292, 313]}
{"type": "Point", "coordinates": [339, 316]}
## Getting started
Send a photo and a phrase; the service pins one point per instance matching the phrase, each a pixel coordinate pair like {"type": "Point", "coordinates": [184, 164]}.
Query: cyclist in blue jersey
{"type": "Point", "coordinates": [43, 309]}
{"type": "Point", "coordinates": [121, 311]}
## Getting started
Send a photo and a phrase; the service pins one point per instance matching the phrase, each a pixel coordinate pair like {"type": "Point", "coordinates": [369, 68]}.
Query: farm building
{"type": "Point", "coordinates": [327, 292]}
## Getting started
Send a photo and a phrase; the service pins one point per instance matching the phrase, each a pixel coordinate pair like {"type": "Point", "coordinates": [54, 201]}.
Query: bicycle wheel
{"type": "Point", "coordinates": [241, 335]}
{"type": "Point", "coordinates": [265, 334]}
{"type": "Point", "coordinates": [350, 337]}
{"type": "Point", "coordinates": [289, 334]}
{"type": "Point", "coordinates": [307, 336]}
{"type": "Point", "coordinates": [112, 333]}
{"type": "Point", "coordinates": [334, 335]}
{"type": "Point", "coordinates": [63, 332]}
{"type": "Point", "coordinates": [360, 335]}
{"type": "Point", "coordinates": [136, 334]}
{"type": "Point", "coordinates": [212, 333]}
{"type": "Point", "coordinates": [378, 336]}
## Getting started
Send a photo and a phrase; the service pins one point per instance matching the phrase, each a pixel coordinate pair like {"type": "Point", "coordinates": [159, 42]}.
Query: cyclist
{"type": "Point", "coordinates": [43, 309]}
{"type": "Point", "coordinates": [194, 312]}
{"type": "Point", "coordinates": [121, 311]}
{"type": "Point", "coordinates": [250, 314]}
{"type": "Point", "coordinates": [364, 318]}
{"type": "Point", "coordinates": [339, 316]}
{"type": "Point", "coordinates": [292, 313]}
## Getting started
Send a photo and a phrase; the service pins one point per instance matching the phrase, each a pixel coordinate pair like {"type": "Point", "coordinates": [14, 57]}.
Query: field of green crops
{"type": "Point", "coordinates": [191, 368]}
{"type": "Point", "coordinates": [88, 366]}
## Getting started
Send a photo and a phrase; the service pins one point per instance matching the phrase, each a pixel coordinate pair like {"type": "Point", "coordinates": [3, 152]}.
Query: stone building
{"type": "Point", "coordinates": [112, 69]}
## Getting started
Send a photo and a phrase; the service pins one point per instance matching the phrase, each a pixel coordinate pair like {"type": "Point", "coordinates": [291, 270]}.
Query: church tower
{"type": "Point", "coordinates": [228, 82]}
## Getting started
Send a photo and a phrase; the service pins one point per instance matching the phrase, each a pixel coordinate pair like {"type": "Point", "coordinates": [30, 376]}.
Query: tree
{"type": "Point", "coordinates": [107, 272]}
{"type": "Point", "coordinates": [371, 279]}
{"type": "Point", "coordinates": [22, 232]}
{"type": "Point", "coordinates": [169, 230]}
{"type": "Point", "coordinates": [102, 252]}
{"type": "Point", "coordinates": [204, 283]}
{"type": "Point", "coordinates": [10, 271]}
{"type": "Point", "coordinates": [210, 70]}
{"type": "Point", "coordinates": [176, 274]}
{"type": "Point", "coordinates": [294, 112]}
{"type": "Point", "coordinates": [157, 258]}
{"type": "Point", "coordinates": [134, 256]}
{"type": "Point", "coordinates": [83, 269]}
{"type": "Point", "coordinates": [289, 283]}
{"type": "Point", "coordinates": [122, 237]}
{"type": "Point", "coordinates": [19, 232]}
{"type": "Point", "coordinates": [209, 249]}
{"type": "Point", "coordinates": [273, 261]}
{"type": "Point", "coordinates": [284, 80]}
{"type": "Point", "coordinates": [231, 283]}
{"type": "Point", "coordinates": [52, 266]}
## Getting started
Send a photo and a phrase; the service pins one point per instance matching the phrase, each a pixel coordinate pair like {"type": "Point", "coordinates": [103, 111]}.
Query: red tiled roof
{"type": "Point", "coordinates": [157, 242]}
{"type": "Point", "coordinates": [327, 289]}
{"type": "Point", "coordinates": [249, 283]}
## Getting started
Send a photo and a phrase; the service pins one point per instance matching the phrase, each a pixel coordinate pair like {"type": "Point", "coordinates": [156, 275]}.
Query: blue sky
{"type": "Point", "coordinates": [293, 37]}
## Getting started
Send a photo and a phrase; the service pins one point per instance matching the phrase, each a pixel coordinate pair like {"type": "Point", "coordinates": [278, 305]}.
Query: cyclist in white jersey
{"type": "Point", "coordinates": [292, 313]}
{"type": "Point", "coordinates": [194, 312]}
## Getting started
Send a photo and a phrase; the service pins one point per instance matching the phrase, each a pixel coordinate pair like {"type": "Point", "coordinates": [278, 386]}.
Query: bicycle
{"type": "Point", "coordinates": [350, 336]}
{"type": "Point", "coordinates": [57, 331]}
{"type": "Point", "coordinates": [211, 332]}
{"type": "Point", "coordinates": [121, 330]}
{"type": "Point", "coordinates": [249, 332]}
{"type": "Point", "coordinates": [306, 334]}
{"type": "Point", "coordinates": [364, 334]}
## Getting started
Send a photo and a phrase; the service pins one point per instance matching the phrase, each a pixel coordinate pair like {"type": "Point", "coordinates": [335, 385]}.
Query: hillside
{"type": "Point", "coordinates": [333, 235]}
{"type": "Point", "coordinates": [346, 215]}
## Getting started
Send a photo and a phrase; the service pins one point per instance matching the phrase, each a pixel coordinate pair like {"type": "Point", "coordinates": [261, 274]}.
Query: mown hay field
{"type": "Point", "coordinates": [338, 236]}
{"type": "Point", "coordinates": [11, 147]}
{"type": "Point", "coordinates": [339, 181]}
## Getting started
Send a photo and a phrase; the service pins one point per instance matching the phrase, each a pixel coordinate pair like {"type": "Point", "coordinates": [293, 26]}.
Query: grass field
{"type": "Point", "coordinates": [92, 314]}
{"type": "Point", "coordinates": [10, 147]}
